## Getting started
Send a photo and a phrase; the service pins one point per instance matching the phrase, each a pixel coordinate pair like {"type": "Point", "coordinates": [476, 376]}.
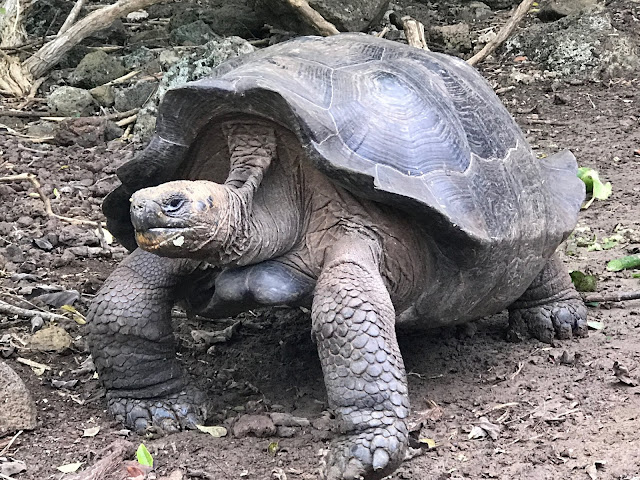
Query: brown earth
{"type": "Point", "coordinates": [561, 412]}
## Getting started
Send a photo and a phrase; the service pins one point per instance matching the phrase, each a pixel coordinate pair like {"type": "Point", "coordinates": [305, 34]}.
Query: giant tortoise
{"type": "Point", "coordinates": [378, 183]}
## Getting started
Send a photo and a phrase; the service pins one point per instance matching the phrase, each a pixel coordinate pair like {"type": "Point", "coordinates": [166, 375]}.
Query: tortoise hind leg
{"type": "Point", "coordinates": [550, 308]}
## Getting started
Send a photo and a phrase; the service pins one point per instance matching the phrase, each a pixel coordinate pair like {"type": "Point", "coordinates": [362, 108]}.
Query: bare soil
{"type": "Point", "coordinates": [561, 412]}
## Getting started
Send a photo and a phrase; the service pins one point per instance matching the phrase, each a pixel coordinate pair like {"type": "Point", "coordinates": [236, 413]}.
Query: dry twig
{"type": "Point", "coordinates": [8, 309]}
{"type": "Point", "coordinates": [313, 18]}
{"type": "Point", "coordinates": [610, 297]}
{"type": "Point", "coordinates": [504, 33]}
{"type": "Point", "coordinates": [47, 203]}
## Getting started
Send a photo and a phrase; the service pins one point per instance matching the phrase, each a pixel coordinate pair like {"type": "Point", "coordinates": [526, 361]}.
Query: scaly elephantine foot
{"type": "Point", "coordinates": [562, 320]}
{"type": "Point", "coordinates": [183, 410]}
{"type": "Point", "coordinates": [371, 455]}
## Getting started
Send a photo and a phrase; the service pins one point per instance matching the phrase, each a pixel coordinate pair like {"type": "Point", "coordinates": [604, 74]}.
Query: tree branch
{"type": "Point", "coordinates": [504, 33]}
{"type": "Point", "coordinates": [51, 53]}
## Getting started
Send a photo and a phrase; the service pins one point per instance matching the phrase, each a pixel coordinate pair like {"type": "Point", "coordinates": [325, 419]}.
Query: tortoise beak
{"type": "Point", "coordinates": [154, 229]}
{"type": "Point", "coordinates": [145, 214]}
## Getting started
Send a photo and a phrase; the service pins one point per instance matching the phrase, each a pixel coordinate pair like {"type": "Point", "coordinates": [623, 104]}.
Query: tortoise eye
{"type": "Point", "coordinates": [173, 204]}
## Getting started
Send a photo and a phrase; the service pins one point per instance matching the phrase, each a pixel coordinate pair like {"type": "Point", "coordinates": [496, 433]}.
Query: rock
{"type": "Point", "coordinates": [154, 38]}
{"type": "Point", "coordinates": [73, 57]}
{"type": "Point", "coordinates": [134, 96]}
{"type": "Point", "coordinates": [553, 10]}
{"type": "Point", "coordinates": [288, 420]}
{"type": "Point", "coordinates": [105, 95]}
{"type": "Point", "coordinates": [286, 432]}
{"type": "Point", "coordinates": [71, 102]}
{"type": "Point", "coordinates": [196, 33]}
{"type": "Point", "coordinates": [226, 18]}
{"type": "Point", "coordinates": [455, 38]}
{"type": "Point", "coordinates": [168, 58]}
{"type": "Point", "coordinates": [502, 4]}
{"type": "Point", "coordinates": [142, 59]}
{"type": "Point", "coordinates": [474, 11]}
{"type": "Point", "coordinates": [256, 425]}
{"type": "Point", "coordinates": [199, 63]}
{"type": "Point", "coordinates": [12, 468]}
{"type": "Point", "coordinates": [50, 339]}
{"type": "Point", "coordinates": [234, 18]}
{"type": "Point", "coordinates": [95, 69]}
{"type": "Point", "coordinates": [86, 132]}
{"type": "Point", "coordinates": [18, 410]}
{"type": "Point", "coordinates": [14, 253]}
{"type": "Point", "coordinates": [41, 129]}
{"type": "Point", "coordinates": [323, 422]}
{"type": "Point", "coordinates": [587, 46]}
{"type": "Point", "coordinates": [346, 15]}
{"type": "Point", "coordinates": [114, 34]}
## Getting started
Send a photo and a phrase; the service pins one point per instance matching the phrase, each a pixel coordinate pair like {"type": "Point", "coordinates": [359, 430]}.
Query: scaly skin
{"type": "Point", "coordinates": [133, 346]}
{"type": "Point", "coordinates": [354, 327]}
{"type": "Point", "coordinates": [550, 308]}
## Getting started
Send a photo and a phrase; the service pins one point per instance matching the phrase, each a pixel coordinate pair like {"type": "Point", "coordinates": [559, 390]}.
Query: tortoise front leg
{"type": "Point", "coordinates": [353, 324]}
{"type": "Point", "coordinates": [133, 346]}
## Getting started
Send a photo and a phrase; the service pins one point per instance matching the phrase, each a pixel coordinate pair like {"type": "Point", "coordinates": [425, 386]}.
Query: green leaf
{"type": "Point", "coordinates": [2, 11]}
{"type": "Point", "coordinates": [617, 264]}
{"type": "Point", "coordinates": [143, 456]}
{"type": "Point", "coordinates": [273, 448]}
{"type": "Point", "coordinates": [583, 282]}
{"type": "Point", "coordinates": [597, 189]}
{"type": "Point", "coordinates": [635, 275]}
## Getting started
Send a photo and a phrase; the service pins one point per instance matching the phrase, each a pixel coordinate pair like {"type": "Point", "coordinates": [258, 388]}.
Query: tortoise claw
{"type": "Point", "coordinates": [180, 411]}
{"type": "Point", "coordinates": [370, 455]}
{"type": "Point", "coordinates": [562, 320]}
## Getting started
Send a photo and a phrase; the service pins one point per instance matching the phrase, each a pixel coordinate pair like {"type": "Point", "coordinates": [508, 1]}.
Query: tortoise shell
{"type": "Point", "coordinates": [417, 130]}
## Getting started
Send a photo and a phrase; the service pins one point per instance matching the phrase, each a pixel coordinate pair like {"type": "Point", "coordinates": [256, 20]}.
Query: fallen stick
{"type": "Point", "coordinates": [313, 18]}
{"type": "Point", "coordinates": [8, 309]}
{"type": "Point", "coordinates": [47, 203]}
{"type": "Point", "coordinates": [610, 297]}
{"type": "Point", "coordinates": [504, 33]}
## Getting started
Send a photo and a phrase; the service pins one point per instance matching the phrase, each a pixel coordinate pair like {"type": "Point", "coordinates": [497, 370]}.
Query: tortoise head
{"type": "Point", "coordinates": [183, 218]}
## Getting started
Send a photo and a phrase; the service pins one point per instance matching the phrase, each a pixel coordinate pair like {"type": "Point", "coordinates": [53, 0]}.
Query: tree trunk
{"type": "Point", "coordinates": [12, 32]}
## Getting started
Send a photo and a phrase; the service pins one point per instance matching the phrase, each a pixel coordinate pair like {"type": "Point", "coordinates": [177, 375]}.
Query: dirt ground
{"type": "Point", "coordinates": [561, 412]}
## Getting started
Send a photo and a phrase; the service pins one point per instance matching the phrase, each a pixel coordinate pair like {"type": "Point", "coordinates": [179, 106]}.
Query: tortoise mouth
{"type": "Point", "coordinates": [164, 238]}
